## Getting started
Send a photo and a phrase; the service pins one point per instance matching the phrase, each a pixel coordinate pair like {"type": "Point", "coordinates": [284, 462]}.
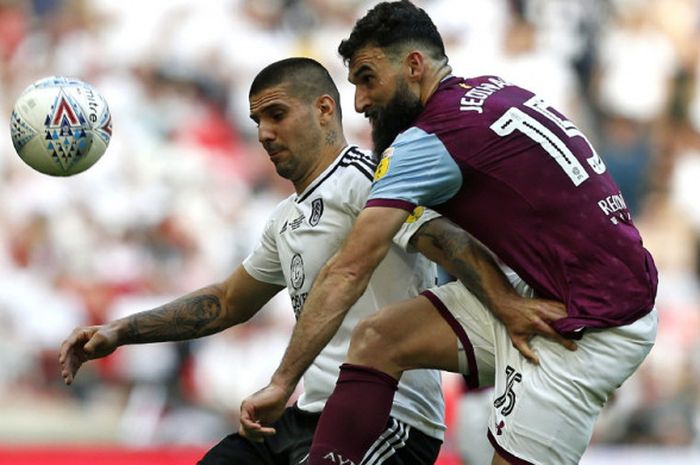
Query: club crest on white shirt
{"type": "Point", "coordinates": [316, 211]}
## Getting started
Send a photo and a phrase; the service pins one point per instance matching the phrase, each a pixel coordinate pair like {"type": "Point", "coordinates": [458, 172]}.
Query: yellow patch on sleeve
{"type": "Point", "coordinates": [383, 166]}
{"type": "Point", "coordinates": [417, 213]}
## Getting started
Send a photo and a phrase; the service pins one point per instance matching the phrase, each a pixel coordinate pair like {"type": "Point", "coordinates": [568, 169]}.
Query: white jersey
{"type": "Point", "coordinates": [302, 234]}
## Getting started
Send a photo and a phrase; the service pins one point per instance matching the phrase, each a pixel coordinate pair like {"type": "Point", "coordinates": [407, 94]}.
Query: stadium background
{"type": "Point", "coordinates": [183, 191]}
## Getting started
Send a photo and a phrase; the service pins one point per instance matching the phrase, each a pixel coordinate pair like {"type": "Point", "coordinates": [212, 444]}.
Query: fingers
{"type": "Point", "coordinates": [90, 346]}
{"type": "Point", "coordinates": [70, 363]}
{"type": "Point", "coordinates": [547, 331]}
{"type": "Point", "coordinates": [252, 428]}
{"type": "Point", "coordinates": [568, 343]}
{"type": "Point", "coordinates": [71, 355]}
{"type": "Point", "coordinates": [524, 348]}
{"type": "Point", "coordinates": [255, 431]}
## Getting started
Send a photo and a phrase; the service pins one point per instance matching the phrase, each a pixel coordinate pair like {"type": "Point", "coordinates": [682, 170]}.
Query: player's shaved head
{"type": "Point", "coordinates": [307, 79]}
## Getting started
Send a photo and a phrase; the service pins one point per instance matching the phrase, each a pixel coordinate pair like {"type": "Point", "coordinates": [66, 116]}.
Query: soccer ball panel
{"type": "Point", "coordinates": [60, 126]}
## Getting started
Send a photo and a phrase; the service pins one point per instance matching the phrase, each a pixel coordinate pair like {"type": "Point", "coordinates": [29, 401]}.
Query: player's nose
{"type": "Point", "coordinates": [362, 100]}
{"type": "Point", "coordinates": [265, 133]}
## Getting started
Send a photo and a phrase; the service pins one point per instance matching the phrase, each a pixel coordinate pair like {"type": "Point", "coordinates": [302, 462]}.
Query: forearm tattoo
{"type": "Point", "coordinates": [186, 318]}
{"type": "Point", "coordinates": [461, 253]}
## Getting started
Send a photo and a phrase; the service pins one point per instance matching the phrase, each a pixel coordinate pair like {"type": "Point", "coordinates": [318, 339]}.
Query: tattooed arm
{"type": "Point", "coordinates": [200, 313]}
{"type": "Point", "coordinates": [466, 258]}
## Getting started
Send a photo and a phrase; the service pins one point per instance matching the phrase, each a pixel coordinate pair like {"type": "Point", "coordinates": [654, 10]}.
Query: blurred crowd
{"type": "Point", "coordinates": [183, 191]}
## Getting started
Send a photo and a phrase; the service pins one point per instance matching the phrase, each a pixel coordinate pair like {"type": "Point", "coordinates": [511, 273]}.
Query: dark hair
{"type": "Point", "coordinates": [307, 79]}
{"type": "Point", "coordinates": [394, 24]}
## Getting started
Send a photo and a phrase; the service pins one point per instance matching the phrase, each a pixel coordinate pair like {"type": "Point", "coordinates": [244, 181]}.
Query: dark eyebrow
{"type": "Point", "coordinates": [267, 109]}
{"type": "Point", "coordinates": [360, 70]}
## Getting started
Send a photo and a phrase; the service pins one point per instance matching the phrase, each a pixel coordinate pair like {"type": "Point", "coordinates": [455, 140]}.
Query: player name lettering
{"type": "Point", "coordinates": [475, 97]}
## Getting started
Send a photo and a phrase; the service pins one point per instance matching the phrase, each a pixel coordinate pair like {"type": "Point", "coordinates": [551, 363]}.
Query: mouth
{"type": "Point", "coordinates": [372, 117]}
{"type": "Point", "coordinates": [273, 151]}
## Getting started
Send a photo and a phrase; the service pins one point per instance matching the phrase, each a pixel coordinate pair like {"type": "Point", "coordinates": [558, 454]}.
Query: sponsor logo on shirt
{"type": "Point", "coordinates": [294, 224]}
{"type": "Point", "coordinates": [298, 303]}
{"type": "Point", "coordinates": [615, 208]}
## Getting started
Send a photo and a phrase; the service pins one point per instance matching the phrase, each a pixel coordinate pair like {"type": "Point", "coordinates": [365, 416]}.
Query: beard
{"type": "Point", "coordinates": [398, 114]}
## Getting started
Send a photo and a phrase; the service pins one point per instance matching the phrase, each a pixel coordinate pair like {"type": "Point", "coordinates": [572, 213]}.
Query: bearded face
{"type": "Point", "coordinates": [396, 116]}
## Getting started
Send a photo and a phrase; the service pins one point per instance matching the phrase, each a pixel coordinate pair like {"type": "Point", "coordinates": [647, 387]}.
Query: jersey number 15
{"type": "Point", "coordinates": [514, 118]}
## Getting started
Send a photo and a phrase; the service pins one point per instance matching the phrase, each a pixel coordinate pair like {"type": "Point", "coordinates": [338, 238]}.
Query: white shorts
{"type": "Point", "coordinates": [542, 414]}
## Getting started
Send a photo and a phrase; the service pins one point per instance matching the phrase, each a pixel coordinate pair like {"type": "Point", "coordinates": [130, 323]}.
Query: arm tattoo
{"type": "Point", "coordinates": [461, 252]}
{"type": "Point", "coordinates": [186, 318]}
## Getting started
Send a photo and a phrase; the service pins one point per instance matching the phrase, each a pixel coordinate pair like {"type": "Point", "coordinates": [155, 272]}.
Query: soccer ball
{"type": "Point", "coordinates": [60, 126]}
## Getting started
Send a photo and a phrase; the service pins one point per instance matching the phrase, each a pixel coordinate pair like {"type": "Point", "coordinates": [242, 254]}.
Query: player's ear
{"type": "Point", "coordinates": [326, 107]}
{"type": "Point", "coordinates": [415, 63]}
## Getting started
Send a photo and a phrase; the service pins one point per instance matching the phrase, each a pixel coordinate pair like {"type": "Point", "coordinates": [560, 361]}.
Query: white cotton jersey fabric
{"type": "Point", "coordinates": [302, 234]}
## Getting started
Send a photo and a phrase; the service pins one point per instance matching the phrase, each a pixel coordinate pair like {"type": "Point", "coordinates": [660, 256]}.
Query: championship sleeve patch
{"type": "Point", "coordinates": [383, 166]}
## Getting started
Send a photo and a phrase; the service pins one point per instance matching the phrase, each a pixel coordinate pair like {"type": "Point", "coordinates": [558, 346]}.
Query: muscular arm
{"type": "Point", "coordinates": [466, 258]}
{"type": "Point", "coordinates": [341, 281]}
{"type": "Point", "coordinates": [338, 286]}
{"type": "Point", "coordinates": [200, 313]}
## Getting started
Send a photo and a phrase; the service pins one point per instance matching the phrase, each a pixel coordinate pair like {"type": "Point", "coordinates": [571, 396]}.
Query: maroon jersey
{"type": "Point", "coordinates": [532, 189]}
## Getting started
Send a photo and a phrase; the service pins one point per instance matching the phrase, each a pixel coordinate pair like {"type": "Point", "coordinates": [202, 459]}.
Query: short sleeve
{"type": "Point", "coordinates": [416, 219]}
{"type": "Point", "coordinates": [263, 263]}
{"type": "Point", "coordinates": [416, 170]}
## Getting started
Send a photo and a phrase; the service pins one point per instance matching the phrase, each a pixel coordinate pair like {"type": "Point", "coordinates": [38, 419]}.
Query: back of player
{"type": "Point", "coordinates": [528, 172]}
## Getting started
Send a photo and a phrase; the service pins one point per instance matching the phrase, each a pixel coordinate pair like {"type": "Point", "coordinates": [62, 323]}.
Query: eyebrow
{"type": "Point", "coordinates": [266, 109]}
{"type": "Point", "coordinates": [363, 68]}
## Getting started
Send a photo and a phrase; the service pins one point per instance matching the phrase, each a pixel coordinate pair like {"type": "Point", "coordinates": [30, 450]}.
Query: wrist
{"type": "Point", "coordinates": [284, 382]}
{"type": "Point", "coordinates": [120, 331]}
{"type": "Point", "coordinates": [503, 304]}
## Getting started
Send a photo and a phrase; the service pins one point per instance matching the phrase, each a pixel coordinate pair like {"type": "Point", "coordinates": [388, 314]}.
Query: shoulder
{"type": "Point", "coordinates": [354, 170]}
{"type": "Point", "coordinates": [356, 163]}
{"type": "Point", "coordinates": [279, 209]}
{"type": "Point", "coordinates": [347, 181]}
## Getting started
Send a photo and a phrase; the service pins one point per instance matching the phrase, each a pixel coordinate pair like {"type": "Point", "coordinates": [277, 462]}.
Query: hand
{"type": "Point", "coordinates": [85, 344]}
{"type": "Point", "coordinates": [525, 318]}
{"type": "Point", "coordinates": [262, 408]}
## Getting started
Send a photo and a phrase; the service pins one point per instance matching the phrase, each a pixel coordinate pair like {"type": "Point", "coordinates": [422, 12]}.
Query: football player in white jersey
{"type": "Point", "coordinates": [294, 104]}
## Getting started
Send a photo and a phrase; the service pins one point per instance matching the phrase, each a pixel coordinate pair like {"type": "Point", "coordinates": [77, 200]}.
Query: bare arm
{"type": "Point", "coordinates": [341, 281]}
{"type": "Point", "coordinates": [203, 312]}
{"type": "Point", "coordinates": [466, 258]}
{"type": "Point", "coordinates": [337, 287]}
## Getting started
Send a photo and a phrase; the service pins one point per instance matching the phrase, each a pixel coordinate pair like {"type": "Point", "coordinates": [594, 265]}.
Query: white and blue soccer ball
{"type": "Point", "coordinates": [60, 126]}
